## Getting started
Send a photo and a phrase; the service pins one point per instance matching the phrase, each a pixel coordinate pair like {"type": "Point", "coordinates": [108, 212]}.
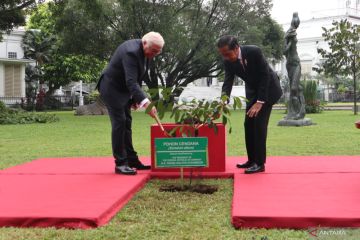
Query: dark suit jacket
{"type": "Point", "coordinates": [261, 82]}
{"type": "Point", "coordinates": [126, 70]}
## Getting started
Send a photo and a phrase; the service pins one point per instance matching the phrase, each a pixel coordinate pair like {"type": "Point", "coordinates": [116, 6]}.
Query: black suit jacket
{"type": "Point", "coordinates": [126, 71]}
{"type": "Point", "coordinates": [261, 82]}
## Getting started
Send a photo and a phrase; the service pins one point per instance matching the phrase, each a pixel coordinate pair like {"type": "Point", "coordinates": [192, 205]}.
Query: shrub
{"type": "Point", "coordinates": [18, 116]}
{"type": "Point", "coordinates": [314, 107]}
{"type": "Point", "coordinates": [312, 103]}
{"type": "Point", "coordinates": [2, 107]}
{"type": "Point", "coordinates": [92, 97]}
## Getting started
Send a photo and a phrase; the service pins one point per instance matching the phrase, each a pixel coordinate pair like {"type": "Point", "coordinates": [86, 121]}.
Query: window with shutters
{"type": "Point", "coordinates": [306, 67]}
{"type": "Point", "coordinates": [12, 80]}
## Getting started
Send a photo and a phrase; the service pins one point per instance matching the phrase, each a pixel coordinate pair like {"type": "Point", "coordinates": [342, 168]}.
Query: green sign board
{"type": "Point", "coordinates": [181, 152]}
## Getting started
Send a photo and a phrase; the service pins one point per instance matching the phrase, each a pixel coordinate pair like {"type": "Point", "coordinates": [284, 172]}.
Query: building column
{"type": "Point", "coordinates": [2, 80]}
{"type": "Point", "coordinates": [22, 79]}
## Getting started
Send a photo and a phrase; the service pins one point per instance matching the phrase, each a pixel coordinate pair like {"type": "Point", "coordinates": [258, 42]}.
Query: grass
{"type": "Point", "coordinates": [159, 215]}
{"type": "Point", "coordinates": [341, 104]}
{"type": "Point", "coordinates": [335, 104]}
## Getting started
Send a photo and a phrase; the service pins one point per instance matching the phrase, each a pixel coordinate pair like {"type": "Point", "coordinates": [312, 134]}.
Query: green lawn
{"type": "Point", "coordinates": [157, 215]}
{"type": "Point", "coordinates": [336, 104]}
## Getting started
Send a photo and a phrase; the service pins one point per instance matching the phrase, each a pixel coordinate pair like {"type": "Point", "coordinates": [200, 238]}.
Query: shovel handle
{"type": "Point", "coordinates": [159, 123]}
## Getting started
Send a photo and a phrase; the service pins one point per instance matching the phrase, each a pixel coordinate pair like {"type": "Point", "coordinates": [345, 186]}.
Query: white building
{"type": "Point", "coordinates": [12, 65]}
{"type": "Point", "coordinates": [310, 38]}
{"type": "Point", "coordinates": [309, 35]}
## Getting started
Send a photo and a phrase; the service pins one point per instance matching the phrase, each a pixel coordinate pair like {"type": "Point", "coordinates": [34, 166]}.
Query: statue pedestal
{"type": "Point", "coordinates": [295, 123]}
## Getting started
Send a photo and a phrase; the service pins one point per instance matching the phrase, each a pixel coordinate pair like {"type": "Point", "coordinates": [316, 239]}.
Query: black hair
{"type": "Point", "coordinates": [228, 40]}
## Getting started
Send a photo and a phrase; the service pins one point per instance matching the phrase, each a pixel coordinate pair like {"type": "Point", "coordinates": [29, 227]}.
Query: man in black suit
{"type": "Point", "coordinates": [120, 89]}
{"type": "Point", "coordinates": [262, 89]}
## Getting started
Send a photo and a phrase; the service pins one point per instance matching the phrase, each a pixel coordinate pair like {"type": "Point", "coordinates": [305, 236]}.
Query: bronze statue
{"type": "Point", "coordinates": [296, 104]}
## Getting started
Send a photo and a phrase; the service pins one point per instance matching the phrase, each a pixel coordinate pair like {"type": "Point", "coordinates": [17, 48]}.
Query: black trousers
{"type": "Point", "coordinates": [256, 134]}
{"type": "Point", "coordinates": [119, 108]}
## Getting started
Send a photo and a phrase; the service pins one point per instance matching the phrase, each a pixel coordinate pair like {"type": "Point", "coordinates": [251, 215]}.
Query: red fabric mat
{"type": "Point", "coordinates": [303, 164]}
{"type": "Point", "coordinates": [274, 164]}
{"type": "Point", "coordinates": [69, 165]}
{"type": "Point", "coordinates": [71, 201]}
{"type": "Point", "coordinates": [84, 192]}
{"type": "Point", "coordinates": [296, 200]}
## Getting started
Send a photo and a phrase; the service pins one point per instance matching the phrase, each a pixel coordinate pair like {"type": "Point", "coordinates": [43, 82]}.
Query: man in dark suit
{"type": "Point", "coordinates": [262, 89]}
{"type": "Point", "coordinates": [120, 89]}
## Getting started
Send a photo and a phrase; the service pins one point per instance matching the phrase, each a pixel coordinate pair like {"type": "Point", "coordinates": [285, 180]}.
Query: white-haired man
{"type": "Point", "coordinates": [120, 89]}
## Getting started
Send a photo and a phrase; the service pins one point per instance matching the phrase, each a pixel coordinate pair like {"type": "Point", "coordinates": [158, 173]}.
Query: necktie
{"type": "Point", "coordinates": [242, 64]}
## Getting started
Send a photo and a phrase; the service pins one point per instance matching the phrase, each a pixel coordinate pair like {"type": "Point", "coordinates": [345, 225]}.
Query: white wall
{"type": "Point", "coordinates": [210, 93]}
{"type": "Point", "coordinates": [309, 35]}
{"type": "Point", "coordinates": [12, 43]}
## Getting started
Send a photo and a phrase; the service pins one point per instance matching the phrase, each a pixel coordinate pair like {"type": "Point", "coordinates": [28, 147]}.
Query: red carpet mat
{"type": "Point", "coordinates": [71, 165]}
{"type": "Point", "coordinates": [274, 164]}
{"type": "Point", "coordinates": [65, 192]}
{"type": "Point", "coordinates": [83, 192]}
{"type": "Point", "coordinates": [296, 200]}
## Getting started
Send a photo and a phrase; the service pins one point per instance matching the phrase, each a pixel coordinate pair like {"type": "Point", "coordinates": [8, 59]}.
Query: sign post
{"type": "Point", "coordinates": [181, 153]}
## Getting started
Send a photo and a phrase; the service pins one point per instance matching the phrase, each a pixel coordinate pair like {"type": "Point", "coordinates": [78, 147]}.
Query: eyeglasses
{"type": "Point", "coordinates": [156, 51]}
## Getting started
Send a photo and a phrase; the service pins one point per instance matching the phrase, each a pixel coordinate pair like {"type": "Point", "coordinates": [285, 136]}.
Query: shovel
{"type": "Point", "coordinates": [161, 126]}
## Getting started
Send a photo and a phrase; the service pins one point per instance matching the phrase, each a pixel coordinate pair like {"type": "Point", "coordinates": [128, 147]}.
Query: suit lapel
{"type": "Point", "coordinates": [145, 68]}
{"type": "Point", "coordinates": [244, 58]}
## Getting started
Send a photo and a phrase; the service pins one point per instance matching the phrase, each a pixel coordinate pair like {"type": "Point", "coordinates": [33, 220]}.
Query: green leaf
{"type": "Point", "coordinates": [177, 116]}
{"type": "Point", "coordinates": [173, 131]}
{"type": "Point", "coordinates": [174, 110]}
{"type": "Point", "coordinates": [234, 105]}
{"type": "Point", "coordinates": [161, 109]}
{"type": "Point", "coordinates": [238, 102]}
{"type": "Point", "coordinates": [207, 105]}
{"type": "Point", "coordinates": [224, 120]}
{"type": "Point", "coordinates": [224, 98]}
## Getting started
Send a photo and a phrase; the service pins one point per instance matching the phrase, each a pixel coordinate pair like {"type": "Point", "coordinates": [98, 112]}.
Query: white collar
{"type": "Point", "coordinates": [239, 56]}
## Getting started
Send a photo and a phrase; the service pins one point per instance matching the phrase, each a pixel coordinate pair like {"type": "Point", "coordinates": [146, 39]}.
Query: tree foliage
{"type": "Point", "coordinates": [57, 67]}
{"type": "Point", "coordinates": [190, 29]}
{"type": "Point", "coordinates": [12, 13]}
{"type": "Point", "coordinates": [344, 55]}
{"type": "Point", "coordinates": [38, 46]}
{"type": "Point", "coordinates": [66, 68]}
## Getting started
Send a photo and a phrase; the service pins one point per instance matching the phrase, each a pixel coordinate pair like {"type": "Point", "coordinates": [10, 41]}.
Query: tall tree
{"type": "Point", "coordinates": [190, 29]}
{"type": "Point", "coordinates": [38, 46]}
{"type": "Point", "coordinates": [344, 55]}
{"type": "Point", "coordinates": [66, 68]}
{"type": "Point", "coordinates": [58, 68]}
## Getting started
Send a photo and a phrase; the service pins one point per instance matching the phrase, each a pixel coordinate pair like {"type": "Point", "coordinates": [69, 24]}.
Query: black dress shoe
{"type": "Point", "coordinates": [255, 169]}
{"type": "Point", "coordinates": [135, 163]}
{"type": "Point", "coordinates": [125, 169]}
{"type": "Point", "coordinates": [245, 165]}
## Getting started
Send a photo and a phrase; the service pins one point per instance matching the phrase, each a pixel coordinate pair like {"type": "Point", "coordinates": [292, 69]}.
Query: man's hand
{"type": "Point", "coordinates": [255, 109]}
{"type": "Point", "coordinates": [153, 111]}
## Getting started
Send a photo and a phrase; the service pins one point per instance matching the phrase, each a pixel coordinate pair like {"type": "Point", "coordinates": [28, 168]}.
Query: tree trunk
{"type": "Point", "coordinates": [355, 107]}
{"type": "Point", "coordinates": [354, 78]}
